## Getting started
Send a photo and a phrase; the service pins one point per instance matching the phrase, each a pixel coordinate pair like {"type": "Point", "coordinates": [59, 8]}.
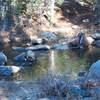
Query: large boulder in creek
{"type": "Point", "coordinates": [79, 41]}
{"type": "Point", "coordinates": [9, 70]}
{"type": "Point", "coordinates": [26, 57]}
{"type": "Point", "coordinates": [50, 36]}
{"type": "Point", "coordinates": [3, 58]}
{"type": "Point", "coordinates": [94, 71]}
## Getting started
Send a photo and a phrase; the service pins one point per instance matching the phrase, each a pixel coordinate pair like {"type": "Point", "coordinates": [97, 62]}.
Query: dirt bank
{"type": "Point", "coordinates": [26, 29]}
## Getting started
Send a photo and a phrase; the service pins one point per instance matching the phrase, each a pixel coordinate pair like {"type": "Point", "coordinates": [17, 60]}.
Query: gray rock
{"type": "Point", "coordinates": [9, 70]}
{"type": "Point", "coordinates": [90, 40]}
{"type": "Point", "coordinates": [81, 74]}
{"type": "Point", "coordinates": [38, 47]}
{"type": "Point", "coordinates": [96, 35]}
{"type": "Point", "coordinates": [33, 48]}
{"type": "Point", "coordinates": [19, 49]}
{"type": "Point", "coordinates": [94, 71]}
{"type": "Point", "coordinates": [60, 46]}
{"type": "Point", "coordinates": [97, 92]}
{"type": "Point", "coordinates": [3, 58]}
{"type": "Point", "coordinates": [64, 47]}
{"type": "Point", "coordinates": [76, 90]}
{"type": "Point", "coordinates": [96, 43]}
{"type": "Point", "coordinates": [38, 41]}
{"type": "Point", "coordinates": [49, 35]}
{"type": "Point", "coordinates": [26, 57]}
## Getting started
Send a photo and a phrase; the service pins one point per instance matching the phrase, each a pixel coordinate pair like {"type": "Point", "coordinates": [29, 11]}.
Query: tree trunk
{"type": "Point", "coordinates": [52, 10]}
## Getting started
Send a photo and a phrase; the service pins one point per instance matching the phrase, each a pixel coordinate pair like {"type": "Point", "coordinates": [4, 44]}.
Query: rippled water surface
{"type": "Point", "coordinates": [56, 62]}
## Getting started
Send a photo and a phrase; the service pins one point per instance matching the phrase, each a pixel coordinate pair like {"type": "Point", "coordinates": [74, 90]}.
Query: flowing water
{"type": "Point", "coordinates": [56, 62]}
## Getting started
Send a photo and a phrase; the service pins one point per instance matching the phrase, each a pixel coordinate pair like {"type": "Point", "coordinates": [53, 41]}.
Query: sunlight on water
{"type": "Point", "coordinates": [52, 64]}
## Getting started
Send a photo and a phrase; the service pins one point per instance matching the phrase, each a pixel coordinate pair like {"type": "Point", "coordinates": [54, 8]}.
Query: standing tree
{"type": "Point", "coordinates": [52, 10]}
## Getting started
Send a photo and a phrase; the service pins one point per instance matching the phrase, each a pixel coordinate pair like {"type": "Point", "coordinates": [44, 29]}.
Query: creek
{"type": "Point", "coordinates": [56, 62]}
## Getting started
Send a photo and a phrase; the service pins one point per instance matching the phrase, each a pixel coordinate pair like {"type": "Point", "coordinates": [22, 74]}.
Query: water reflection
{"type": "Point", "coordinates": [92, 56]}
{"type": "Point", "coordinates": [52, 63]}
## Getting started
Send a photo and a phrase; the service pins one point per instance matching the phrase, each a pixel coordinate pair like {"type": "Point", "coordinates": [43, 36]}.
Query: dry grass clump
{"type": "Point", "coordinates": [53, 85]}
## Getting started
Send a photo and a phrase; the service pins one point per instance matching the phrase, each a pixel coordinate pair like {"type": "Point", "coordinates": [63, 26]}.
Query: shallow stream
{"type": "Point", "coordinates": [56, 62]}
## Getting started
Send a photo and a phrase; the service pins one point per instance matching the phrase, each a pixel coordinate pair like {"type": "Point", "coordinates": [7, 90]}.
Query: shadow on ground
{"type": "Point", "coordinates": [77, 13]}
